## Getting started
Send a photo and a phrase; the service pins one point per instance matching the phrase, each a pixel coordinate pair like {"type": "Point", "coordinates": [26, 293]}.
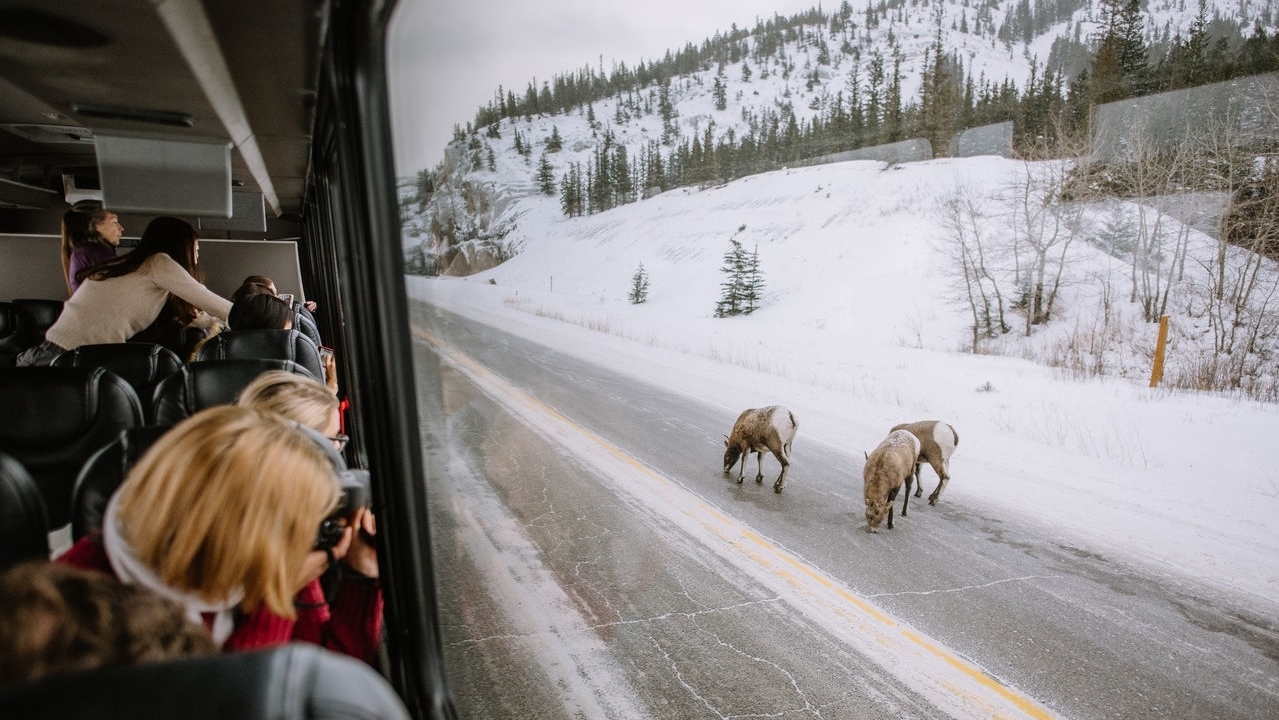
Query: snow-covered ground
{"type": "Point", "coordinates": [861, 329]}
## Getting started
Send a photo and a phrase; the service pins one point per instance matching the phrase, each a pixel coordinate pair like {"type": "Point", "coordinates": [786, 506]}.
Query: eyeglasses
{"type": "Point", "coordinates": [340, 440]}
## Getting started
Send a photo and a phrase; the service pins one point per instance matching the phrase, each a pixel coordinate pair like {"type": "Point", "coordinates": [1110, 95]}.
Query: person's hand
{"type": "Point", "coordinates": [330, 365]}
{"type": "Point", "coordinates": [318, 561]}
{"type": "Point", "coordinates": [310, 305]}
{"type": "Point", "coordinates": [362, 556]}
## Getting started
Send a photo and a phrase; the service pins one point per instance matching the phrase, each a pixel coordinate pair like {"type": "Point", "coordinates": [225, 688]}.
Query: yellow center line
{"type": "Point", "coordinates": [958, 686]}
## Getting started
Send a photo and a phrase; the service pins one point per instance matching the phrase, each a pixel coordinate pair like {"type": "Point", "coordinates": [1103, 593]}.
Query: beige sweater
{"type": "Point", "coordinates": [116, 309]}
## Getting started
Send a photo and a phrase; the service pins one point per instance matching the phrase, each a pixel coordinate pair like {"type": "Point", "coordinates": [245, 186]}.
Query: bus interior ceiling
{"type": "Point", "coordinates": [79, 73]}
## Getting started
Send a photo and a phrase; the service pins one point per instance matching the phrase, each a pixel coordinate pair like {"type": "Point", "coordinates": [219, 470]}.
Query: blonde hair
{"type": "Point", "coordinates": [297, 398]}
{"type": "Point", "coordinates": [229, 498]}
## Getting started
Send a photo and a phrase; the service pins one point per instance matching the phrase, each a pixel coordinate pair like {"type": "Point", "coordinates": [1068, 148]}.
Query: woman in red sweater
{"type": "Point", "coordinates": [221, 515]}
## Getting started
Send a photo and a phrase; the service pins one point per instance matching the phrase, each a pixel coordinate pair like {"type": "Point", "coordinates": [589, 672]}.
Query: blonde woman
{"type": "Point", "coordinates": [307, 402]}
{"type": "Point", "coordinates": [299, 399]}
{"type": "Point", "coordinates": [221, 515]}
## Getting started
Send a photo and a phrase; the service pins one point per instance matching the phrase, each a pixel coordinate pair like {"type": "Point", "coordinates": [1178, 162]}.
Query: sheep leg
{"type": "Point", "coordinates": [932, 499]}
{"type": "Point", "coordinates": [906, 495]}
{"type": "Point", "coordinates": [781, 478]}
{"type": "Point", "coordinates": [942, 478]}
{"type": "Point", "coordinates": [759, 472]}
{"type": "Point", "coordinates": [741, 469]}
{"type": "Point", "coordinates": [919, 484]}
{"type": "Point", "coordinates": [892, 496]}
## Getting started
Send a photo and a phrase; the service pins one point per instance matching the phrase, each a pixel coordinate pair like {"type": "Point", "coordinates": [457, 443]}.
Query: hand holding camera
{"type": "Point", "coordinates": [346, 535]}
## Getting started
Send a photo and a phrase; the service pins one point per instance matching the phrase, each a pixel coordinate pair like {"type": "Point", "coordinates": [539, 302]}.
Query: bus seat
{"type": "Point", "coordinates": [142, 365]}
{"type": "Point", "coordinates": [24, 527]}
{"type": "Point", "coordinates": [211, 382]}
{"type": "Point", "coordinates": [304, 322]}
{"type": "Point", "coordinates": [17, 332]}
{"type": "Point", "coordinates": [55, 418]}
{"type": "Point", "coordinates": [274, 344]}
{"type": "Point", "coordinates": [297, 681]}
{"type": "Point", "coordinates": [102, 474]}
{"type": "Point", "coordinates": [43, 312]}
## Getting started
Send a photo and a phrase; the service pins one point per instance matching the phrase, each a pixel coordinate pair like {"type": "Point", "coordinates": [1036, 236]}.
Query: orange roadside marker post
{"type": "Point", "coordinates": [1157, 372]}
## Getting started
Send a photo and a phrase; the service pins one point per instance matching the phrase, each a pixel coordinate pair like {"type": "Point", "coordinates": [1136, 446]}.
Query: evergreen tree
{"type": "Point", "coordinates": [545, 176]}
{"type": "Point", "coordinates": [752, 283]}
{"type": "Point", "coordinates": [623, 183]}
{"type": "Point", "coordinates": [670, 131]}
{"type": "Point", "coordinates": [639, 286]}
{"type": "Point", "coordinates": [720, 91]}
{"type": "Point", "coordinates": [1119, 68]}
{"type": "Point", "coordinates": [733, 290]}
{"type": "Point", "coordinates": [554, 143]}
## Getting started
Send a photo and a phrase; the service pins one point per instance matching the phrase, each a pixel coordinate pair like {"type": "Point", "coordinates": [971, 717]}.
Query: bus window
{"type": "Point", "coordinates": [625, 226]}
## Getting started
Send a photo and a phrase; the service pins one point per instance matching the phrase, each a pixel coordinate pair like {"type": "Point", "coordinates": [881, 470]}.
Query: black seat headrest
{"type": "Point", "coordinates": [102, 474]}
{"type": "Point", "coordinates": [290, 682]}
{"type": "Point", "coordinates": [271, 344]}
{"type": "Point", "coordinates": [207, 383]}
{"type": "Point", "coordinates": [17, 332]}
{"type": "Point", "coordinates": [142, 365]}
{"type": "Point", "coordinates": [43, 312]}
{"type": "Point", "coordinates": [24, 527]}
{"type": "Point", "coordinates": [56, 417]}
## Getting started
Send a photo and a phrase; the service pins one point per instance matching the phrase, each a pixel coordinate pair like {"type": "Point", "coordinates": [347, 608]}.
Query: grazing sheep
{"type": "Point", "coordinates": [937, 442]}
{"type": "Point", "coordinates": [887, 467]}
{"type": "Point", "coordinates": [756, 430]}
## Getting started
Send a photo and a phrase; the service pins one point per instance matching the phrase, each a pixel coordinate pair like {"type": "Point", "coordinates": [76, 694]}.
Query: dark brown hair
{"type": "Point", "coordinates": [259, 312]}
{"type": "Point", "coordinates": [56, 618]}
{"type": "Point", "coordinates": [169, 235]}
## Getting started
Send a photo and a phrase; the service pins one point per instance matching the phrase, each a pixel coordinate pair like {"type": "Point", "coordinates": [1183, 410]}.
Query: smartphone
{"type": "Point", "coordinates": [286, 297]}
{"type": "Point", "coordinates": [325, 352]}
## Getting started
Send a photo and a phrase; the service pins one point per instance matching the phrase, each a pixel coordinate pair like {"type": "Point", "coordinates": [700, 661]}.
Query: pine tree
{"type": "Point", "coordinates": [554, 143]}
{"type": "Point", "coordinates": [720, 90]}
{"type": "Point", "coordinates": [733, 291]}
{"type": "Point", "coordinates": [752, 283]}
{"type": "Point", "coordinates": [670, 130]}
{"type": "Point", "coordinates": [545, 176]}
{"type": "Point", "coordinates": [639, 286]}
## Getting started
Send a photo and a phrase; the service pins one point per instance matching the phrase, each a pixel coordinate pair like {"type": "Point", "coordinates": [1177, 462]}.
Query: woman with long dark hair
{"type": "Point", "coordinates": [121, 297]}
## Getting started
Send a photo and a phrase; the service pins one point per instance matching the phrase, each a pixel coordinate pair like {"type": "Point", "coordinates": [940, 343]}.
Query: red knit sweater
{"type": "Point", "coordinates": [351, 625]}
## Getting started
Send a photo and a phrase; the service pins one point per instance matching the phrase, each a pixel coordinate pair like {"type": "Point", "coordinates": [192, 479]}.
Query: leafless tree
{"type": "Point", "coordinates": [964, 220]}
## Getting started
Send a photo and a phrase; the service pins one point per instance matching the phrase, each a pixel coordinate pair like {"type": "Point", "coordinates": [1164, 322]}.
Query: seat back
{"type": "Point", "coordinates": [17, 332]}
{"type": "Point", "coordinates": [270, 344]}
{"type": "Point", "coordinates": [305, 323]}
{"type": "Point", "coordinates": [24, 527]}
{"type": "Point", "coordinates": [55, 418]}
{"type": "Point", "coordinates": [142, 365]}
{"type": "Point", "coordinates": [212, 382]}
{"type": "Point", "coordinates": [102, 474]}
{"type": "Point", "coordinates": [43, 312]}
{"type": "Point", "coordinates": [290, 682]}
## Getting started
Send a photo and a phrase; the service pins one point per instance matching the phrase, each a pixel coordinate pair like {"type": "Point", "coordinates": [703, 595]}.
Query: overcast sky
{"type": "Point", "coordinates": [448, 57]}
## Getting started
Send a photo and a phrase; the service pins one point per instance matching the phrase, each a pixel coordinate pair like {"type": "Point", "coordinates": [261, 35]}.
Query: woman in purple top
{"type": "Point", "coordinates": [90, 235]}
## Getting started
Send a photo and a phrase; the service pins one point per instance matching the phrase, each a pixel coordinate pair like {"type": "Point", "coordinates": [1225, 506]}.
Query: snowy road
{"type": "Point", "coordinates": [594, 562]}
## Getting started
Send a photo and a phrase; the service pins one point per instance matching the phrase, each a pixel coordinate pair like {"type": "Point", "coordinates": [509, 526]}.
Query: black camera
{"type": "Point", "coordinates": [355, 497]}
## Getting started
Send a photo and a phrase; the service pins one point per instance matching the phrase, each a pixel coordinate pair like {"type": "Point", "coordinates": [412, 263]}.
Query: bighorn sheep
{"type": "Point", "coordinates": [887, 467]}
{"type": "Point", "coordinates": [937, 442]}
{"type": "Point", "coordinates": [756, 430]}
